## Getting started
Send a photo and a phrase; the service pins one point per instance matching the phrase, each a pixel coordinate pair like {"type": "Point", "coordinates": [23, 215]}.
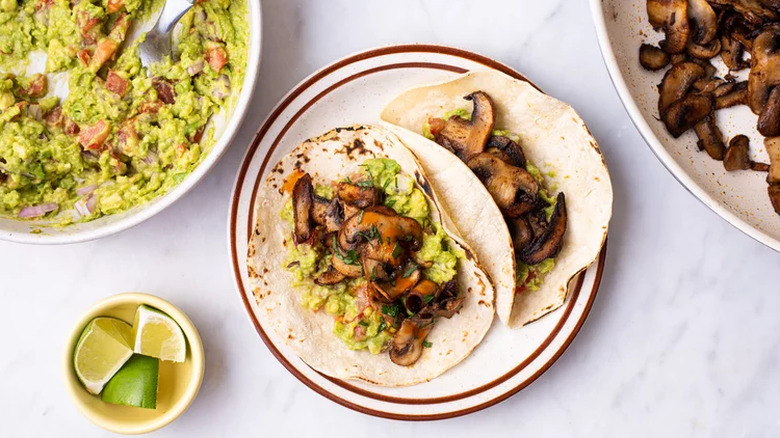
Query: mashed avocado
{"type": "Point", "coordinates": [401, 194]}
{"type": "Point", "coordinates": [123, 135]}
{"type": "Point", "coordinates": [306, 262]}
{"type": "Point", "coordinates": [531, 278]}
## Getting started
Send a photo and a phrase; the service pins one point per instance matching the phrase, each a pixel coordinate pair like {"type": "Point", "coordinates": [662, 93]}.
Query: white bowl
{"type": "Point", "coordinates": [739, 197]}
{"type": "Point", "coordinates": [37, 232]}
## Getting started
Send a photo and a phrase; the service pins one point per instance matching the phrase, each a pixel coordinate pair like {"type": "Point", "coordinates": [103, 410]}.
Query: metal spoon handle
{"type": "Point", "coordinates": [158, 40]}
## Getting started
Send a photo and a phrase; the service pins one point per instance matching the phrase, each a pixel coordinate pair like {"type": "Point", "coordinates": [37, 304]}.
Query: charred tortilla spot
{"type": "Point", "coordinates": [423, 183]}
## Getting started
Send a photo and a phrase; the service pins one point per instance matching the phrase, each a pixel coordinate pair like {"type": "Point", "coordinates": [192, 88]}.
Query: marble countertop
{"type": "Point", "coordinates": [683, 338]}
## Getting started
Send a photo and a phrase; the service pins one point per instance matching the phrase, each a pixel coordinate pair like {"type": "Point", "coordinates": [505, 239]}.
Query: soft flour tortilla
{"type": "Point", "coordinates": [556, 140]}
{"type": "Point", "coordinates": [477, 216]}
{"type": "Point", "coordinates": [332, 157]}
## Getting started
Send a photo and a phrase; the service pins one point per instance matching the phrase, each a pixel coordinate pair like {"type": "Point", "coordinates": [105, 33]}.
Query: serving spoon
{"type": "Point", "coordinates": [158, 40]}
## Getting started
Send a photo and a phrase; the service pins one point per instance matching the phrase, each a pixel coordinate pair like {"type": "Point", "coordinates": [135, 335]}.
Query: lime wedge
{"type": "Point", "coordinates": [135, 384]}
{"type": "Point", "coordinates": [104, 346]}
{"type": "Point", "coordinates": [157, 335]}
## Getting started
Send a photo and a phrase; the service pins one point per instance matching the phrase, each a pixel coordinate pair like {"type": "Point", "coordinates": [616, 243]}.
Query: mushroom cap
{"type": "Point", "coordinates": [672, 17]}
{"type": "Point", "coordinates": [467, 138]}
{"type": "Point", "coordinates": [764, 67]}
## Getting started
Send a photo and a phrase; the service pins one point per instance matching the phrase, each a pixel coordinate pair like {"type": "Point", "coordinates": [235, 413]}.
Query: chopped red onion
{"type": "Point", "coordinates": [37, 210]}
{"type": "Point", "coordinates": [222, 87]}
{"type": "Point", "coordinates": [81, 191]}
{"type": "Point", "coordinates": [196, 67]}
{"type": "Point", "coordinates": [151, 157]}
{"type": "Point", "coordinates": [34, 111]}
{"type": "Point", "coordinates": [91, 203]}
{"type": "Point", "coordinates": [86, 205]}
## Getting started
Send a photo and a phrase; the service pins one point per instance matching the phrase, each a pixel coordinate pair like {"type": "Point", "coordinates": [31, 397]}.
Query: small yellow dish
{"type": "Point", "coordinates": [178, 382]}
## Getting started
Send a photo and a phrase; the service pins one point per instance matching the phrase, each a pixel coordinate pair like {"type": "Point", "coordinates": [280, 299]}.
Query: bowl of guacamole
{"type": "Point", "coordinates": [91, 141]}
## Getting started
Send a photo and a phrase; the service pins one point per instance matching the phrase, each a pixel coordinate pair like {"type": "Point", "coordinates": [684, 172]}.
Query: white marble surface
{"type": "Point", "coordinates": [683, 339]}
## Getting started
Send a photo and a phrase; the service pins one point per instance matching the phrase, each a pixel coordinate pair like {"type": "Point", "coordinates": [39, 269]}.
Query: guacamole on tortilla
{"type": "Point", "coordinates": [124, 134]}
{"type": "Point", "coordinates": [346, 299]}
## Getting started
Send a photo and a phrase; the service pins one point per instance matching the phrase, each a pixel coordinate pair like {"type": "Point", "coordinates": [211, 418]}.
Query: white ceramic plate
{"type": "Point", "coordinates": [226, 125]}
{"type": "Point", "coordinates": [354, 90]}
{"type": "Point", "coordinates": [739, 197]}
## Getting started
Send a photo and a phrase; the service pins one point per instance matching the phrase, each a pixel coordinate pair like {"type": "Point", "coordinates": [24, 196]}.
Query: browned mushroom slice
{"type": "Point", "coordinates": [537, 221]}
{"type": "Point", "coordinates": [349, 270]}
{"type": "Point", "coordinates": [407, 346]}
{"type": "Point", "coordinates": [726, 87]}
{"type": "Point", "coordinates": [736, 95]}
{"type": "Point", "coordinates": [302, 202]}
{"type": "Point", "coordinates": [703, 21]}
{"type": "Point", "coordinates": [447, 302]}
{"type": "Point", "coordinates": [676, 83]}
{"type": "Point", "coordinates": [514, 189]}
{"type": "Point", "coordinates": [361, 195]}
{"type": "Point", "coordinates": [774, 196]}
{"type": "Point", "coordinates": [706, 51]}
{"type": "Point", "coordinates": [710, 138]}
{"type": "Point", "coordinates": [759, 167]}
{"type": "Point", "coordinates": [511, 152]}
{"type": "Point", "coordinates": [737, 28]}
{"type": "Point", "coordinates": [330, 276]}
{"type": "Point", "coordinates": [737, 156]}
{"type": "Point", "coordinates": [672, 17]}
{"type": "Point", "coordinates": [732, 53]}
{"type": "Point", "coordinates": [420, 295]}
{"type": "Point", "coordinates": [374, 269]}
{"type": "Point", "coordinates": [327, 213]}
{"type": "Point", "coordinates": [687, 112]}
{"type": "Point", "coordinates": [676, 58]}
{"type": "Point", "coordinates": [652, 58]}
{"type": "Point", "coordinates": [392, 290]}
{"type": "Point", "coordinates": [754, 11]}
{"type": "Point", "coordinates": [769, 119]}
{"type": "Point", "coordinates": [520, 231]}
{"type": "Point", "coordinates": [712, 84]}
{"type": "Point", "coordinates": [549, 243]}
{"type": "Point", "coordinates": [467, 138]}
{"type": "Point", "coordinates": [764, 67]}
{"type": "Point", "coordinates": [772, 146]}
{"type": "Point", "coordinates": [709, 69]}
{"type": "Point", "coordinates": [378, 226]}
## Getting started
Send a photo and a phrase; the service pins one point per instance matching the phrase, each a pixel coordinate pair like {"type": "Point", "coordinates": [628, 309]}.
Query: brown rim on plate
{"type": "Point", "coordinates": [235, 258]}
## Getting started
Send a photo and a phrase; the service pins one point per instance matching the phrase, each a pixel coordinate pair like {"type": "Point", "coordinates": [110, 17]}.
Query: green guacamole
{"type": "Point", "coordinates": [124, 134]}
{"type": "Point", "coordinates": [306, 262]}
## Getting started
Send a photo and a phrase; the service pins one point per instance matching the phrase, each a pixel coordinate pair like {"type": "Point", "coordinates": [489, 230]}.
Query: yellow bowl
{"type": "Point", "coordinates": [178, 382]}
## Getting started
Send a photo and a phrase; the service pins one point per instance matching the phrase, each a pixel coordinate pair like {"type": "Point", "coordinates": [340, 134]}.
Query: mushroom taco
{"type": "Point", "coordinates": [357, 268]}
{"type": "Point", "coordinates": [537, 160]}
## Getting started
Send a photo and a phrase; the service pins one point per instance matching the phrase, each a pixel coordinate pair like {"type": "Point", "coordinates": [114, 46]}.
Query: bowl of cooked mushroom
{"type": "Point", "coordinates": [698, 79]}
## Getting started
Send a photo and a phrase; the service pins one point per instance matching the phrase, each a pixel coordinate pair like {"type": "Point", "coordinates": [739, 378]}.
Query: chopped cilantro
{"type": "Point", "coordinates": [411, 269]}
{"type": "Point", "coordinates": [428, 298]}
{"type": "Point", "coordinates": [427, 344]}
{"type": "Point", "coordinates": [351, 256]}
{"type": "Point", "coordinates": [390, 203]}
{"type": "Point", "coordinates": [382, 325]}
{"type": "Point", "coordinates": [391, 310]}
{"type": "Point", "coordinates": [363, 323]}
{"type": "Point", "coordinates": [397, 250]}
